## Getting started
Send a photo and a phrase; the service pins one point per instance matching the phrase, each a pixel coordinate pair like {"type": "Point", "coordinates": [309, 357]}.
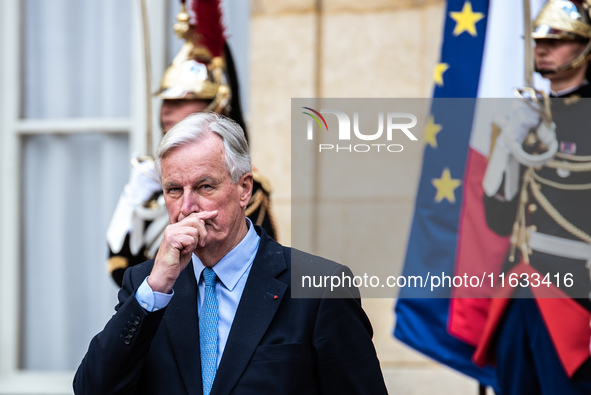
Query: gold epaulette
{"type": "Point", "coordinates": [117, 262]}
{"type": "Point", "coordinates": [264, 181]}
{"type": "Point", "coordinates": [261, 201]}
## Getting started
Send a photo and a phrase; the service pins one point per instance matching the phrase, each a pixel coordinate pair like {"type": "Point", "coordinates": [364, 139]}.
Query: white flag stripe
{"type": "Point", "coordinates": [502, 66]}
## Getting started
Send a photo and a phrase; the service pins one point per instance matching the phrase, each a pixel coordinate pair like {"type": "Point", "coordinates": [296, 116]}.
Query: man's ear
{"type": "Point", "coordinates": [245, 184]}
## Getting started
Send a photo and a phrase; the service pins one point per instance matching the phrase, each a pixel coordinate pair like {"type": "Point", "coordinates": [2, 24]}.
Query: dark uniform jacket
{"type": "Point", "coordinates": [571, 114]}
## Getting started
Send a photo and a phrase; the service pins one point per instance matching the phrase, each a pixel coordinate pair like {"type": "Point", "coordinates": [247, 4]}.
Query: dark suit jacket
{"type": "Point", "coordinates": [277, 344]}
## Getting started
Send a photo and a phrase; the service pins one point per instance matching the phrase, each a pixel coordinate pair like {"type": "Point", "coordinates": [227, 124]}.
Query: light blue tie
{"type": "Point", "coordinates": [208, 331]}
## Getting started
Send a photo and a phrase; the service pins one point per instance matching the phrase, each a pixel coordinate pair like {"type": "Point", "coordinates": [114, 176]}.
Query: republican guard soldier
{"type": "Point", "coordinates": [538, 189]}
{"type": "Point", "coordinates": [202, 77]}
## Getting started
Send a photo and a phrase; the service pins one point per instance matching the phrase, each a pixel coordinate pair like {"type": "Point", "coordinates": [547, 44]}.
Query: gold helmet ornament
{"type": "Point", "coordinates": [565, 20]}
{"type": "Point", "coordinates": [199, 70]}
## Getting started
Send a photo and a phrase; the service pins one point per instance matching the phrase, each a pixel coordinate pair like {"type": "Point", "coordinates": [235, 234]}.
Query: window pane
{"type": "Point", "coordinates": [71, 186]}
{"type": "Point", "coordinates": [77, 58]}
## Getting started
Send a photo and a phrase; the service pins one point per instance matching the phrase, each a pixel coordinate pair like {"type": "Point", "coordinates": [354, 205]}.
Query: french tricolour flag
{"type": "Point", "coordinates": [482, 56]}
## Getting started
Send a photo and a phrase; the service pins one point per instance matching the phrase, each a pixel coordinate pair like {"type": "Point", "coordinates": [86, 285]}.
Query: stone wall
{"type": "Point", "coordinates": [357, 49]}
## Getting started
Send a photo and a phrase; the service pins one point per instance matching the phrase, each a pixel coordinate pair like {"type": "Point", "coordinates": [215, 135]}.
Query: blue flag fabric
{"type": "Point", "coordinates": [422, 323]}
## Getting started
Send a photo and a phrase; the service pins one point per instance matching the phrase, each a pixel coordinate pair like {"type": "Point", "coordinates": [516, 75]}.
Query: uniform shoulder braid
{"type": "Point", "coordinates": [259, 207]}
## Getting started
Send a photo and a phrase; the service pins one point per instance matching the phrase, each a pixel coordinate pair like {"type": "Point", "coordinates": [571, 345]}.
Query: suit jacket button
{"type": "Point", "coordinates": [127, 340]}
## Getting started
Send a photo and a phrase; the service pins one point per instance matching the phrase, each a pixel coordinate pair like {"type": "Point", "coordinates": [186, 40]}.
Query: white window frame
{"type": "Point", "coordinates": [12, 129]}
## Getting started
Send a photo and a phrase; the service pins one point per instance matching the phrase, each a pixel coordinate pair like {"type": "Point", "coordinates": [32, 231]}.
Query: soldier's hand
{"type": "Point", "coordinates": [178, 243]}
{"type": "Point", "coordinates": [523, 118]}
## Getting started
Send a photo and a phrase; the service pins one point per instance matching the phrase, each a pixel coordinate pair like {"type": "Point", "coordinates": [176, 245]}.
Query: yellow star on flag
{"type": "Point", "coordinates": [431, 130]}
{"type": "Point", "coordinates": [466, 20]}
{"type": "Point", "coordinates": [438, 73]}
{"type": "Point", "coordinates": [445, 186]}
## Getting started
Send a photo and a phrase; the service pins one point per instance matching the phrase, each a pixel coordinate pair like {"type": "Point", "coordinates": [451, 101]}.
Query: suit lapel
{"type": "Point", "coordinates": [260, 300]}
{"type": "Point", "coordinates": [183, 325]}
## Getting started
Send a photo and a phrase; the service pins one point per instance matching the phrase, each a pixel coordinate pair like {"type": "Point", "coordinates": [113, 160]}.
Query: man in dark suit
{"type": "Point", "coordinates": [213, 312]}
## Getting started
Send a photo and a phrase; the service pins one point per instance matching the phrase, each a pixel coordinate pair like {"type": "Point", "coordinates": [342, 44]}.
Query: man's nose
{"type": "Point", "coordinates": [190, 204]}
{"type": "Point", "coordinates": [541, 48]}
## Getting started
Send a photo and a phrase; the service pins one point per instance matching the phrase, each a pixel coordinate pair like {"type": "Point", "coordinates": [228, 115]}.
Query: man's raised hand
{"type": "Point", "coordinates": [178, 243]}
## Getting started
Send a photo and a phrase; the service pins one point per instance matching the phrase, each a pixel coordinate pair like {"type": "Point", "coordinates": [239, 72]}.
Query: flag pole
{"type": "Point", "coordinates": [527, 46]}
{"type": "Point", "coordinates": [148, 76]}
{"type": "Point", "coordinates": [537, 100]}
